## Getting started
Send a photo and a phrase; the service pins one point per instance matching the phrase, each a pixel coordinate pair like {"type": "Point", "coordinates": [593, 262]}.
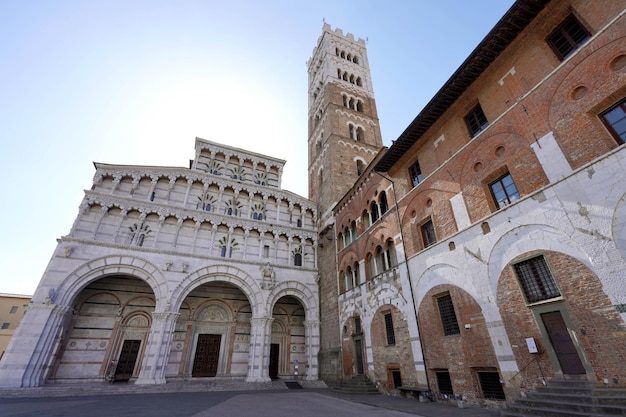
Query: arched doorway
{"type": "Point", "coordinates": [352, 348]}
{"type": "Point", "coordinates": [288, 357]}
{"type": "Point", "coordinates": [212, 334]}
{"type": "Point", "coordinates": [108, 330]}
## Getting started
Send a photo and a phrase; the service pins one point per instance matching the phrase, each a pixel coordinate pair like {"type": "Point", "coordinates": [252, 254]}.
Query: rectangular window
{"type": "Point", "coordinates": [266, 251]}
{"type": "Point", "coordinates": [504, 191]}
{"type": "Point", "coordinates": [491, 386]}
{"type": "Point", "coordinates": [391, 337]}
{"type": "Point", "coordinates": [476, 121]}
{"type": "Point", "coordinates": [13, 310]}
{"type": "Point", "coordinates": [428, 233]}
{"type": "Point", "coordinates": [536, 280]}
{"type": "Point", "coordinates": [444, 383]}
{"type": "Point", "coordinates": [448, 317]}
{"type": "Point", "coordinates": [615, 120]}
{"type": "Point", "coordinates": [5, 325]}
{"type": "Point", "coordinates": [415, 172]}
{"type": "Point", "coordinates": [357, 325]}
{"type": "Point", "coordinates": [568, 37]}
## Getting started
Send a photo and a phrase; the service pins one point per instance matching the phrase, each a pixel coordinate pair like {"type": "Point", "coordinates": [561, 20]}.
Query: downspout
{"type": "Point", "coordinates": [408, 273]}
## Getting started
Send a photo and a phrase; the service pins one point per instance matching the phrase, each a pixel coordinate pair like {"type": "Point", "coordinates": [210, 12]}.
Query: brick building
{"type": "Point", "coordinates": [497, 218]}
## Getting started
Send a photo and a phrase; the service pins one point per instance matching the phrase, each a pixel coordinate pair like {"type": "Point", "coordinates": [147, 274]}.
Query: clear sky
{"type": "Point", "coordinates": [136, 81]}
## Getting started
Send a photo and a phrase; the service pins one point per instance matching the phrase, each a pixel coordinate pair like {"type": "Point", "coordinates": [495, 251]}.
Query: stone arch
{"type": "Point", "coordinates": [618, 226]}
{"type": "Point", "coordinates": [301, 292]}
{"type": "Point", "coordinates": [93, 270]}
{"type": "Point", "coordinates": [383, 295]}
{"type": "Point", "coordinates": [214, 310]}
{"type": "Point", "coordinates": [138, 319]}
{"type": "Point", "coordinates": [350, 308]}
{"type": "Point", "coordinates": [439, 274]}
{"type": "Point", "coordinates": [528, 238]}
{"type": "Point", "coordinates": [224, 273]}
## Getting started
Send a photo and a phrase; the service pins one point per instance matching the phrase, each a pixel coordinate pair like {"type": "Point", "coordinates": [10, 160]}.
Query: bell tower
{"type": "Point", "coordinates": [344, 137]}
{"type": "Point", "coordinates": [344, 133]}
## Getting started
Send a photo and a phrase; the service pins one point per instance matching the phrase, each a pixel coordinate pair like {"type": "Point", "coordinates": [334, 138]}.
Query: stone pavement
{"type": "Point", "coordinates": [215, 398]}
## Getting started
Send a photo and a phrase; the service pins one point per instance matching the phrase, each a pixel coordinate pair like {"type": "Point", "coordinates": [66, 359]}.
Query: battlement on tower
{"type": "Point", "coordinates": [337, 32]}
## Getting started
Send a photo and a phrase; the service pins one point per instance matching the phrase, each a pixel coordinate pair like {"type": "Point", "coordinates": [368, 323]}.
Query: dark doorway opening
{"type": "Point", "coordinates": [358, 355]}
{"type": "Point", "coordinates": [274, 357]}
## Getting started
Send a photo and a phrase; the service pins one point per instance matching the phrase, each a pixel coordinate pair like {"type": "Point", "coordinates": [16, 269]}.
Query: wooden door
{"type": "Point", "coordinates": [562, 343]}
{"type": "Point", "coordinates": [207, 355]}
{"type": "Point", "coordinates": [128, 359]}
{"type": "Point", "coordinates": [358, 355]}
{"type": "Point", "coordinates": [274, 355]}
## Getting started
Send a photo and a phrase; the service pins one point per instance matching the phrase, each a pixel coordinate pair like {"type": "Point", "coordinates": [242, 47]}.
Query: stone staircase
{"type": "Point", "coordinates": [569, 398]}
{"type": "Point", "coordinates": [358, 384]}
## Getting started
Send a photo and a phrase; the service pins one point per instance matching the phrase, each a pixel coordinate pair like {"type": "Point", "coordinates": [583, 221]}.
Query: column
{"type": "Point", "coordinates": [195, 234]}
{"type": "Point", "coordinates": [103, 212]}
{"type": "Point", "coordinates": [157, 352]}
{"type": "Point", "coordinates": [28, 357]}
{"type": "Point", "coordinates": [189, 184]}
{"type": "Point", "coordinates": [119, 226]}
{"type": "Point", "coordinates": [312, 340]}
{"type": "Point", "coordinates": [158, 232]}
{"type": "Point", "coordinates": [259, 356]}
{"type": "Point", "coordinates": [153, 184]}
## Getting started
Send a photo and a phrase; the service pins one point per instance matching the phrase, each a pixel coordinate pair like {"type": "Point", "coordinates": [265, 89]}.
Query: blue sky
{"type": "Point", "coordinates": [134, 82]}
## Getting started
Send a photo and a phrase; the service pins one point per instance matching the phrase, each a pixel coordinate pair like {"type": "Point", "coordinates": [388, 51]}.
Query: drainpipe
{"type": "Point", "coordinates": [408, 273]}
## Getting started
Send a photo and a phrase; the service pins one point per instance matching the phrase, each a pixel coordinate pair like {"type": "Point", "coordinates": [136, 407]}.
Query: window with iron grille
{"type": "Point", "coordinates": [568, 37]}
{"type": "Point", "coordinates": [504, 191]}
{"type": "Point", "coordinates": [476, 121]}
{"type": "Point", "coordinates": [396, 378]}
{"type": "Point", "coordinates": [391, 337]}
{"type": "Point", "coordinates": [615, 120]}
{"type": "Point", "coordinates": [448, 317]}
{"type": "Point", "coordinates": [444, 383]}
{"type": "Point", "coordinates": [491, 386]}
{"type": "Point", "coordinates": [536, 280]}
{"type": "Point", "coordinates": [415, 172]}
{"type": "Point", "coordinates": [5, 325]}
{"type": "Point", "coordinates": [428, 233]}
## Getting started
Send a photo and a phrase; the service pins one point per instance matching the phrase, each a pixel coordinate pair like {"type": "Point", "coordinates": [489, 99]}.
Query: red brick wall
{"type": "Point", "coordinates": [597, 323]}
{"type": "Point", "coordinates": [472, 348]}
{"type": "Point", "coordinates": [397, 356]}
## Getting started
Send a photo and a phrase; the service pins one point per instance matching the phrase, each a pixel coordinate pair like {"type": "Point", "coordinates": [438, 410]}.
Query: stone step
{"type": "Point", "coordinates": [570, 398]}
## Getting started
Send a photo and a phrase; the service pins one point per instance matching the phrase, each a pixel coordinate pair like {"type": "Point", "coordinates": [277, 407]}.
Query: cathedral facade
{"type": "Point", "coordinates": [170, 273]}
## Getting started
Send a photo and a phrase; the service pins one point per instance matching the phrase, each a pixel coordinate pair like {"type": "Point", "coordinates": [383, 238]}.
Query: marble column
{"type": "Point", "coordinates": [259, 356]}
{"type": "Point", "coordinates": [28, 357]}
{"type": "Point", "coordinates": [157, 352]}
{"type": "Point", "coordinates": [312, 340]}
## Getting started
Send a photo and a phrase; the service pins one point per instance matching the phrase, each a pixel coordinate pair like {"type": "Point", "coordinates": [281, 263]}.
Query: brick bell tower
{"type": "Point", "coordinates": [344, 137]}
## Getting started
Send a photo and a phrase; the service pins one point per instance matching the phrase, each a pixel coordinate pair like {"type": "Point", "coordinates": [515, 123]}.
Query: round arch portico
{"type": "Point", "coordinates": [95, 269]}
{"type": "Point", "coordinates": [214, 273]}
{"type": "Point", "coordinates": [308, 299]}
